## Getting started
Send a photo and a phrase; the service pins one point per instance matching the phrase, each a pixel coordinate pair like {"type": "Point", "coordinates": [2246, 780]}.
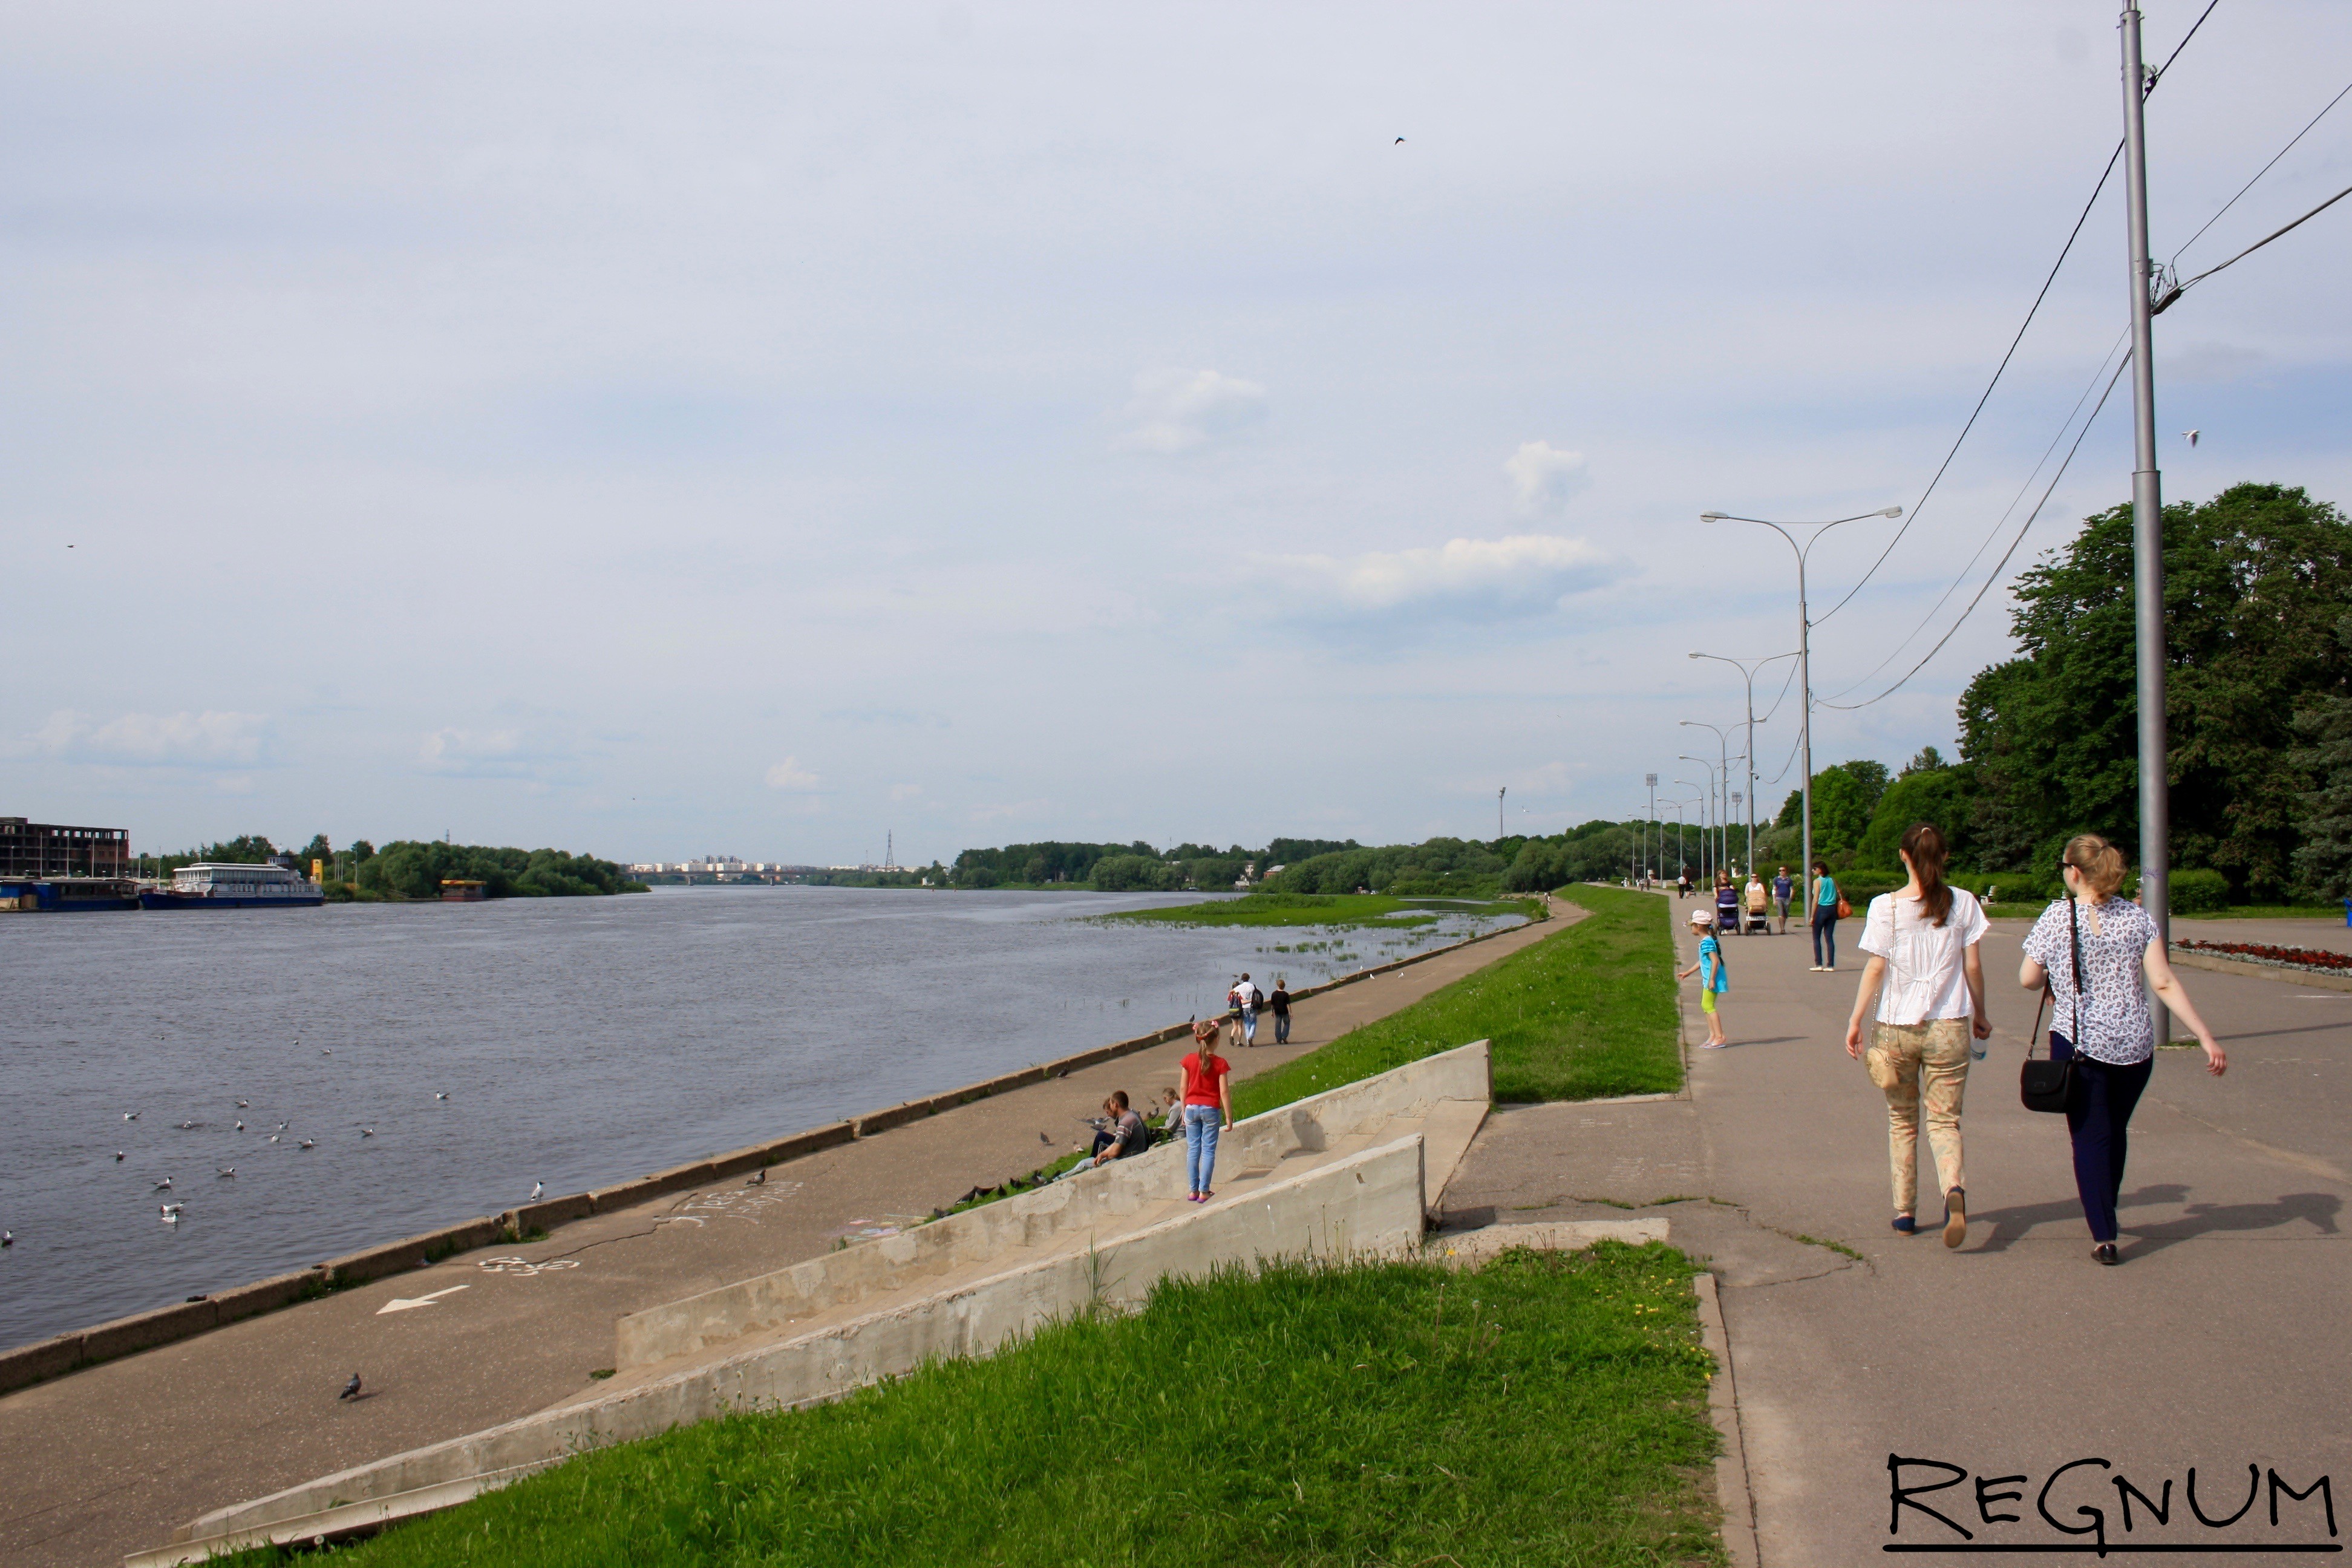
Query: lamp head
{"type": "Point", "coordinates": [1892, 511]}
{"type": "Point", "coordinates": [1710, 517]}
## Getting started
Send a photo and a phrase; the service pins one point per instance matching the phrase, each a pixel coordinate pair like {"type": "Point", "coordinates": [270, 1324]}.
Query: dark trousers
{"type": "Point", "coordinates": [1825, 935]}
{"type": "Point", "coordinates": [2099, 1102]}
{"type": "Point", "coordinates": [1282, 1028]}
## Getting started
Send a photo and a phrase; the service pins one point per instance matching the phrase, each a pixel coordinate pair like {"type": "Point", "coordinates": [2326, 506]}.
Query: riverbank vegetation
{"type": "Point", "coordinates": [407, 869]}
{"type": "Point", "coordinates": [1545, 1408]}
{"type": "Point", "coordinates": [1288, 908]}
{"type": "Point", "coordinates": [1586, 1012]}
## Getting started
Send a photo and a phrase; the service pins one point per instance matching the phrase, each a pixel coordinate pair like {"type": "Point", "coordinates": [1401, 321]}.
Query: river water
{"type": "Point", "coordinates": [580, 1042]}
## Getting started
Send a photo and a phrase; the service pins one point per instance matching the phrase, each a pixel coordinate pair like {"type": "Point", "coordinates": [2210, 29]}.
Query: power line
{"type": "Point", "coordinates": [1994, 532]}
{"type": "Point", "coordinates": [2258, 174]}
{"type": "Point", "coordinates": [2002, 564]}
{"type": "Point", "coordinates": [2178, 289]}
{"type": "Point", "coordinates": [1912, 515]}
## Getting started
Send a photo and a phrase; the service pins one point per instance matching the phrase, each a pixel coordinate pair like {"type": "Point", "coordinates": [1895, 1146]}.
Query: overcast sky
{"type": "Point", "coordinates": [659, 430]}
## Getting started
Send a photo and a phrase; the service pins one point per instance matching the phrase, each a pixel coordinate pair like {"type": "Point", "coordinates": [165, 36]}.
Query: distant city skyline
{"type": "Point", "coordinates": [1035, 422]}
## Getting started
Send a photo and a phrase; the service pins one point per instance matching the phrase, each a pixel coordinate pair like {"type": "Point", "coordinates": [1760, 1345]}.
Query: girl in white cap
{"type": "Point", "coordinates": [1714, 980]}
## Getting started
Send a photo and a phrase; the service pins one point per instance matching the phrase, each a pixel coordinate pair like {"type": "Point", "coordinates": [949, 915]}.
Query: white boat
{"type": "Point", "coordinates": [213, 885]}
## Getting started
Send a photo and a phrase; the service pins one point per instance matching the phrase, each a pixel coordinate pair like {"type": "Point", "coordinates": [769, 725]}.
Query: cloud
{"type": "Point", "coordinates": [207, 740]}
{"type": "Point", "coordinates": [1545, 477]}
{"type": "Point", "coordinates": [1468, 579]}
{"type": "Point", "coordinates": [789, 774]}
{"type": "Point", "coordinates": [1178, 410]}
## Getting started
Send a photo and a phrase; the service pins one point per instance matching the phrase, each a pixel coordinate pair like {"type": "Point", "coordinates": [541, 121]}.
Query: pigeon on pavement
{"type": "Point", "coordinates": [350, 1389]}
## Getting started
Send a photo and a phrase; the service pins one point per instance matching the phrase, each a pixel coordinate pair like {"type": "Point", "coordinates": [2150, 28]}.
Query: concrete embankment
{"type": "Point", "coordinates": [111, 1458]}
{"type": "Point", "coordinates": [66, 1352]}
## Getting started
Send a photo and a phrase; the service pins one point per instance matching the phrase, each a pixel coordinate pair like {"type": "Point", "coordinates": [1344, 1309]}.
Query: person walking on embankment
{"type": "Point", "coordinates": [1828, 904]}
{"type": "Point", "coordinates": [1277, 1002]}
{"type": "Point", "coordinates": [2091, 949]}
{"type": "Point", "coordinates": [1784, 892]}
{"type": "Point", "coordinates": [1927, 976]}
{"type": "Point", "coordinates": [1208, 1110]}
{"type": "Point", "coordinates": [1714, 979]}
{"type": "Point", "coordinates": [1727, 904]}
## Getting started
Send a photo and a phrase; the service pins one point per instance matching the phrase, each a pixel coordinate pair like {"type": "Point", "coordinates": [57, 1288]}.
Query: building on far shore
{"type": "Point", "coordinates": [46, 849]}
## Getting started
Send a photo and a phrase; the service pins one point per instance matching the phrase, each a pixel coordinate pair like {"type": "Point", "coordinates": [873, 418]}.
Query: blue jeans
{"type": "Point", "coordinates": [1202, 1123]}
{"type": "Point", "coordinates": [1282, 1028]}
{"type": "Point", "coordinates": [1825, 935]}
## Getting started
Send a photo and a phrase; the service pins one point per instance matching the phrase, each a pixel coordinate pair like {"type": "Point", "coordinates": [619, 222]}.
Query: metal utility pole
{"type": "Point", "coordinates": [1711, 819]}
{"type": "Point", "coordinates": [2147, 520]}
{"type": "Point", "coordinates": [1804, 655]}
{"type": "Point", "coordinates": [1650, 780]}
{"type": "Point", "coordinates": [1498, 811]}
{"type": "Point", "coordinates": [1748, 669]}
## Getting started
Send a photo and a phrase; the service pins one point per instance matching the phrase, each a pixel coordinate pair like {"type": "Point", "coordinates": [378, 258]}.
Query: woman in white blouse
{"type": "Point", "coordinates": [1929, 978]}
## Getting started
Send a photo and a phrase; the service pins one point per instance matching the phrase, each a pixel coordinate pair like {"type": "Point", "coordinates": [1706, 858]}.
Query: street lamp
{"type": "Point", "coordinates": [1747, 669]}
{"type": "Point", "coordinates": [1650, 780]}
{"type": "Point", "coordinates": [1804, 648]}
{"type": "Point", "coordinates": [1723, 818]}
{"type": "Point", "coordinates": [1682, 849]}
{"type": "Point", "coordinates": [1715, 812]}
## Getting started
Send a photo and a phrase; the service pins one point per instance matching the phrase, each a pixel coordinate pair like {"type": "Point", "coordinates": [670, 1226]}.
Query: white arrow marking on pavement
{"type": "Point", "coordinates": [398, 1304]}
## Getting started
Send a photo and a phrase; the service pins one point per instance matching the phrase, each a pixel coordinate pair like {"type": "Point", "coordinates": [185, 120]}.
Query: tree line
{"type": "Point", "coordinates": [413, 868]}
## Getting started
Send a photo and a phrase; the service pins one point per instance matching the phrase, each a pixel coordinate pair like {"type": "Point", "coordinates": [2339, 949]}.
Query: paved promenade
{"type": "Point", "coordinates": [2224, 1340]}
{"type": "Point", "coordinates": [111, 1459]}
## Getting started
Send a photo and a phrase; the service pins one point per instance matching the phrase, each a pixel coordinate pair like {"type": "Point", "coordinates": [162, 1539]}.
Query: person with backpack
{"type": "Point", "coordinates": [1208, 1109]}
{"type": "Point", "coordinates": [1929, 977]}
{"type": "Point", "coordinates": [2092, 950]}
{"type": "Point", "coordinates": [1714, 978]}
{"type": "Point", "coordinates": [1247, 996]}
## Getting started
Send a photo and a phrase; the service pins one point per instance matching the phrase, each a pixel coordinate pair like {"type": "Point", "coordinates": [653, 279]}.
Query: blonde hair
{"type": "Point", "coordinates": [2100, 862]}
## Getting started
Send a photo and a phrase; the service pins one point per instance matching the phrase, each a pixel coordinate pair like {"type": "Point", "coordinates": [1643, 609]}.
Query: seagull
{"type": "Point", "coordinates": [118, 1156]}
{"type": "Point", "coordinates": [171, 1212]}
{"type": "Point", "coordinates": [367, 1131]}
{"type": "Point", "coordinates": [240, 1127]}
{"type": "Point", "coordinates": [273, 1137]}
{"type": "Point", "coordinates": [350, 1389]}
{"type": "Point", "coordinates": [327, 1051]}
{"type": "Point", "coordinates": [130, 1116]}
{"type": "Point", "coordinates": [281, 1127]}
{"type": "Point", "coordinates": [307, 1144]}
{"type": "Point", "coordinates": [441, 1094]}
{"type": "Point", "coordinates": [8, 1238]}
{"type": "Point", "coordinates": [164, 1185]}
{"type": "Point", "coordinates": [537, 1188]}
{"type": "Point", "coordinates": [245, 1105]}
{"type": "Point", "coordinates": [228, 1171]}
{"type": "Point", "coordinates": [187, 1126]}
{"type": "Point", "coordinates": [2192, 437]}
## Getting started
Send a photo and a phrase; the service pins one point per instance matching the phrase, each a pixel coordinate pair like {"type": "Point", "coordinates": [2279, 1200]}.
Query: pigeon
{"type": "Point", "coordinates": [164, 1185]}
{"type": "Point", "coordinates": [350, 1389]}
{"type": "Point", "coordinates": [367, 1131]}
{"type": "Point", "coordinates": [1043, 1139]}
{"type": "Point", "coordinates": [536, 1189]}
{"type": "Point", "coordinates": [2192, 437]}
{"type": "Point", "coordinates": [759, 1181]}
{"type": "Point", "coordinates": [118, 1156]}
{"type": "Point", "coordinates": [307, 1144]}
{"type": "Point", "coordinates": [226, 1171]}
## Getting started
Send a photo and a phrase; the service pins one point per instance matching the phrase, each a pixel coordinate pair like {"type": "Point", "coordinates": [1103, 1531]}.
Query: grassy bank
{"type": "Point", "coordinates": [1585, 1012]}
{"type": "Point", "coordinates": [1545, 1409]}
{"type": "Point", "coordinates": [1325, 909]}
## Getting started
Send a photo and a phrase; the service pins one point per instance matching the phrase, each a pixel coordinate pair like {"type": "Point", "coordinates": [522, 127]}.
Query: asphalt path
{"type": "Point", "coordinates": [111, 1459]}
{"type": "Point", "coordinates": [2224, 1340]}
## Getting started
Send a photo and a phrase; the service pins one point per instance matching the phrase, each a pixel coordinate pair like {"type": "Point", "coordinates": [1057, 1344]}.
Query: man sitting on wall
{"type": "Point", "coordinates": [1122, 1136]}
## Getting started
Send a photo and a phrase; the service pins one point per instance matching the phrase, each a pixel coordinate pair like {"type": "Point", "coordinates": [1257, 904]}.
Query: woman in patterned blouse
{"type": "Point", "coordinates": [2107, 1029]}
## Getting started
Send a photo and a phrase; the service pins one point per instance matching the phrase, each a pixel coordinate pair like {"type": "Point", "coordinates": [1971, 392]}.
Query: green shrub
{"type": "Point", "coordinates": [2196, 891]}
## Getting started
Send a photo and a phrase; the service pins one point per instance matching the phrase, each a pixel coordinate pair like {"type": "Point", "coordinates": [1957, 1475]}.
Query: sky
{"type": "Point", "coordinates": [759, 429]}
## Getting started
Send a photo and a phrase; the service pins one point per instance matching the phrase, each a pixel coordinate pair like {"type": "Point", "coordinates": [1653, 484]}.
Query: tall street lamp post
{"type": "Point", "coordinates": [1650, 780]}
{"type": "Point", "coordinates": [1709, 848]}
{"type": "Point", "coordinates": [1804, 648]}
{"type": "Point", "coordinates": [1699, 800]}
{"type": "Point", "coordinates": [1723, 817]}
{"type": "Point", "coordinates": [1747, 669]}
{"type": "Point", "coordinates": [1681, 849]}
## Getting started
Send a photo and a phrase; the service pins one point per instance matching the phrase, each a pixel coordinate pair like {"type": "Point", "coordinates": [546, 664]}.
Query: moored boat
{"type": "Point", "coordinates": [212, 885]}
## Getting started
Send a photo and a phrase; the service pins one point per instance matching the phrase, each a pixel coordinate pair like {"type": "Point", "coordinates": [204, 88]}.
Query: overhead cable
{"type": "Point", "coordinates": [1912, 516]}
{"type": "Point", "coordinates": [2002, 564]}
{"type": "Point", "coordinates": [2178, 289]}
{"type": "Point", "coordinates": [2265, 169]}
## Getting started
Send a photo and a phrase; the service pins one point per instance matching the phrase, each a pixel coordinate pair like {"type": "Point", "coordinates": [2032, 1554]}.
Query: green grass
{"type": "Point", "coordinates": [1545, 1409]}
{"type": "Point", "coordinates": [1326, 910]}
{"type": "Point", "coordinates": [2268, 912]}
{"type": "Point", "coordinates": [1585, 1012]}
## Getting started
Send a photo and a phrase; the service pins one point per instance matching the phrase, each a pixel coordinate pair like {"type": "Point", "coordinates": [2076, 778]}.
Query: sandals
{"type": "Point", "coordinates": [1955, 1217]}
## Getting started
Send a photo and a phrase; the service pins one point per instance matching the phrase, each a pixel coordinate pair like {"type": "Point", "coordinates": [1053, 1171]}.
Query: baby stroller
{"type": "Point", "coordinates": [1758, 916]}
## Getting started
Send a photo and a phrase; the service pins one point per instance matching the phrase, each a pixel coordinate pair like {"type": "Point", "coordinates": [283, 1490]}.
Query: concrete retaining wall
{"type": "Point", "coordinates": [1039, 1217]}
{"type": "Point", "coordinates": [1368, 1205]}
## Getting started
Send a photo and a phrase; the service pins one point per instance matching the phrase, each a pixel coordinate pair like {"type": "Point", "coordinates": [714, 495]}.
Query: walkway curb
{"type": "Point", "coordinates": [2323, 979]}
{"type": "Point", "coordinates": [1732, 1490]}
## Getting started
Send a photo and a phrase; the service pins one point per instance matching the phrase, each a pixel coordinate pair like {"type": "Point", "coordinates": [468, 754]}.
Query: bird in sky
{"type": "Point", "coordinates": [1399, 143]}
{"type": "Point", "coordinates": [2192, 437]}
{"type": "Point", "coordinates": [350, 1389]}
{"type": "Point", "coordinates": [537, 1188]}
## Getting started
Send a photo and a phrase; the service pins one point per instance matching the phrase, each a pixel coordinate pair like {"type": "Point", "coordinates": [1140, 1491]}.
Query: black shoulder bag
{"type": "Point", "coordinates": [2042, 1084]}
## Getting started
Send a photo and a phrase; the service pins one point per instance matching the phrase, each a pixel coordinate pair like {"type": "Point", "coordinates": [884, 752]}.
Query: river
{"type": "Point", "coordinates": [579, 1042]}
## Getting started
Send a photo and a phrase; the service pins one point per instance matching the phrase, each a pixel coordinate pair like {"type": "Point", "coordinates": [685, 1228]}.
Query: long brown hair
{"type": "Point", "coordinates": [1923, 843]}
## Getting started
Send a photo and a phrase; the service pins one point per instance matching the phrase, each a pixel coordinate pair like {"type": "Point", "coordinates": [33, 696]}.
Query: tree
{"type": "Point", "coordinates": [2254, 580]}
{"type": "Point", "coordinates": [1927, 762]}
{"type": "Point", "coordinates": [1940, 795]}
{"type": "Point", "coordinates": [2323, 862]}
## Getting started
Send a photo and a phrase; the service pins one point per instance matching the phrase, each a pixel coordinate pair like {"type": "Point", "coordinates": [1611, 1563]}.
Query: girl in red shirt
{"type": "Point", "coordinates": [1208, 1109]}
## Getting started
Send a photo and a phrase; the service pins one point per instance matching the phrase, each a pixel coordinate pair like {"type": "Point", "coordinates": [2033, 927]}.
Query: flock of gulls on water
{"type": "Point", "coordinates": [171, 1209]}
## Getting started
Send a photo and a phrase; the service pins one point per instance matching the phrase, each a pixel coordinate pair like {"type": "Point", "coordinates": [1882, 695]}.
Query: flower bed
{"type": "Point", "coordinates": [2266, 952]}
